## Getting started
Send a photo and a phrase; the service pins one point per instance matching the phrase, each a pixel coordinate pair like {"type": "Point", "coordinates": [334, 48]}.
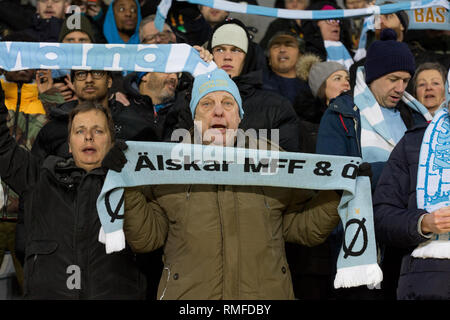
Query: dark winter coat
{"type": "Point", "coordinates": [396, 216]}
{"type": "Point", "coordinates": [64, 259]}
{"type": "Point", "coordinates": [309, 110]}
{"type": "Point", "coordinates": [45, 30]}
{"type": "Point", "coordinates": [141, 120]}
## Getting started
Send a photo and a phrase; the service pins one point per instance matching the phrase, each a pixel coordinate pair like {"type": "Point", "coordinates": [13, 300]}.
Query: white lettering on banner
{"type": "Point", "coordinates": [113, 57]}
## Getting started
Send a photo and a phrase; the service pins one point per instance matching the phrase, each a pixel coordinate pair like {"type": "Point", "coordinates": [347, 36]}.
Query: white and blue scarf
{"type": "Point", "coordinates": [376, 139]}
{"type": "Point", "coordinates": [243, 7]}
{"type": "Point", "coordinates": [433, 181]}
{"type": "Point", "coordinates": [337, 52]}
{"type": "Point", "coordinates": [169, 163]}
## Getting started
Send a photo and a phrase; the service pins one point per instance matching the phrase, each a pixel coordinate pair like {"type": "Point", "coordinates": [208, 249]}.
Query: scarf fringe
{"type": "Point", "coordinates": [113, 241]}
{"type": "Point", "coordinates": [438, 249]}
{"type": "Point", "coordinates": [368, 274]}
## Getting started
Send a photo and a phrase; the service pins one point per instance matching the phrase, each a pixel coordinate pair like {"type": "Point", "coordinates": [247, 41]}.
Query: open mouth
{"type": "Point", "coordinates": [89, 150]}
{"type": "Point", "coordinates": [429, 96]}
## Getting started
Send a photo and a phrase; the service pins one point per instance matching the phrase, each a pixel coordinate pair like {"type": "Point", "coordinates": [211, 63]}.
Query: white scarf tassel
{"type": "Point", "coordinates": [368, 274]}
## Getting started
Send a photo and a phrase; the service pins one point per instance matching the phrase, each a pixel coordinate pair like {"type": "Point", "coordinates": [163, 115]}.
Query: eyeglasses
{"type": "Point", "coordinates": [82, 75]}
{"type": "Point", "coordinates": [52, 1]}
{"type": "Point", "coordinates": [332, 21]}
{"type": "Point", "coordinates": [163, 36]}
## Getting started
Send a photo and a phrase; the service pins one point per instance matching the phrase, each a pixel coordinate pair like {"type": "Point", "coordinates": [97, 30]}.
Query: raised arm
{"type": "Point", "coordinates": [18, 167]}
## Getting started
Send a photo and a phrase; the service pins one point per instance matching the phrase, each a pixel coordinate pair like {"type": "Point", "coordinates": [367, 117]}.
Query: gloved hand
{"type": "Point", "coordinates": [365, 169]}
{"type": "Point", "coordinates": [115, 158]}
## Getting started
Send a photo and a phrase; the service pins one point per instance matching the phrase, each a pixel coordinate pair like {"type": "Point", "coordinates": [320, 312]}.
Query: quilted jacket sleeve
{"type": "Point", "coordinates": [310, 220]}
{"type": "Point", "coordinates": [145, 224]}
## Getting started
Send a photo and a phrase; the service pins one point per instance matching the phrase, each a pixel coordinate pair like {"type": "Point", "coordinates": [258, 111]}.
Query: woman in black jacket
{"type": "Point", "coordinates": [64, 258]}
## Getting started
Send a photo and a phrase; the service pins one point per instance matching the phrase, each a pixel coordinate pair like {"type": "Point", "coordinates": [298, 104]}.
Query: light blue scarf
{"type": "Point", "coordinates": [377, 142]}
{"type": "Point", "coordinates": [164, 7]}
{"type": "Point", "coordinates": [169, 163]}
{"type": "Point", "coordinates": [433, 181]}
{"type": "Point", "coordinates": [337, 52]}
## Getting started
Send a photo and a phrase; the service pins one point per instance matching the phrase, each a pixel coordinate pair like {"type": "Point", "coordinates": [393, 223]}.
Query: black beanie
{"type": "Point", "coordinates": [85, 26]}
{"type": "Point", "coordinates": [388, 55]}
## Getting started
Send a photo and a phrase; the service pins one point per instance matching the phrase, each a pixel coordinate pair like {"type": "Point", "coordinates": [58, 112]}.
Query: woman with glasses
{"type": "Point", "coordinates": [329, 39]}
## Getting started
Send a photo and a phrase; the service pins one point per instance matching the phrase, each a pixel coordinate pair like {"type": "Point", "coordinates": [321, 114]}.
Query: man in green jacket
{"type": "Point", "coordinates": [224, 241]}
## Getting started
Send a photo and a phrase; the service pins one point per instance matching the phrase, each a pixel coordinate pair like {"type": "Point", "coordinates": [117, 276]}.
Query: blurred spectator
{"type": "Point", "coordinates": [429, 85]}
{"type": "Point", "coordinates": [48, 20]}
{"type": "Point", "coordinates": [15, 16]}
{"type": "Point", "coordinates": [283, 52]}
{"type": "Point", "coordinates": [328, 39]}
{"type": "Point", "coordinates": [148, 34]}
{"type": "Point", "coordinates": [122, 21]}
{"type": "Point", "coordinates": [281, 24]}
{"type": "Point", "coordinates": [213, 16]}
{"type": "Point", "coordinates": [356, 23]}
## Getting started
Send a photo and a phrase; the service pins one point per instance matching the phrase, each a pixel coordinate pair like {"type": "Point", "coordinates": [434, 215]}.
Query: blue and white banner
{"type": "Point", "coordinates": [433, 17]}
{"type": "Point", "coordinates": [168, 58]}
{"type": "Point", "coordinates": [323, 14]}
{"type": "Point", "coordinates": [170, 163]}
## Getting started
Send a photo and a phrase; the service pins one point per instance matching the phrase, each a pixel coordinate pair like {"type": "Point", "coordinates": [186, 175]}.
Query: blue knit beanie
{"type": "Point", "coordinates": [388, 55]}
{"type": "Point", "coordinates": [217, 80]}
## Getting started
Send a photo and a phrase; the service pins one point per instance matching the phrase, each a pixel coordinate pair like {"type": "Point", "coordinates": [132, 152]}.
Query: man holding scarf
{"type": "Point", "coordinates": [224, 241]}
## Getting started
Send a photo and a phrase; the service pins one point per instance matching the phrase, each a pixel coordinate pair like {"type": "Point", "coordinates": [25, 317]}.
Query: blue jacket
{"type": "Point", "coordinates": [396, 216]}
{"type": "Point", "coordinates": [340, 130]}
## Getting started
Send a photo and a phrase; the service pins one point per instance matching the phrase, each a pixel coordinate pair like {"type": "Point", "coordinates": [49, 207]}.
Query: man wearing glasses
{"type": "Point", "coordinates": [90, 85]}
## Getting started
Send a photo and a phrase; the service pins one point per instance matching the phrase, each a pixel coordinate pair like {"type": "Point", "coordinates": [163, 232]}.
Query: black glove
{"type": "Point", "coordinates": [115, 158]}
{"type": "Point", "coordinates": [365, 169]}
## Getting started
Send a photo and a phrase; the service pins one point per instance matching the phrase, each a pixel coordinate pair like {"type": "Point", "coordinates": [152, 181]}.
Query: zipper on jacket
{"type": "Point", "coordinates": [167, 283]}
{"type": "Point", "coordinates": [356, 135]}
{"type": "Point", "coordinates": [221, 237]}
{"type": "Point", "coordinates": [188, 192]}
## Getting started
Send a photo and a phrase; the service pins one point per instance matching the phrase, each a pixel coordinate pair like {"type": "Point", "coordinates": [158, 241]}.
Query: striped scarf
{"type": "Point", "coordinates": [337, 52]}
{"type": "Point", "coordinates": [433, 184]}
{"type": "Point", "coordinates": [376, 139]}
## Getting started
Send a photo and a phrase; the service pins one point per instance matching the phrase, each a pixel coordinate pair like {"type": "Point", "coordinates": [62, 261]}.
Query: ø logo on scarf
{"type": "Point", "coordinates": [348, 251]}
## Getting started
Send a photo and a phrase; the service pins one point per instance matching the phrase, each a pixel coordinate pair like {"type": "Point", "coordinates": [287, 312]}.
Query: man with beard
{"type": "Point", "coordinates": [122, 22]}
{"type": "Point", "coordinates": [152, 97]}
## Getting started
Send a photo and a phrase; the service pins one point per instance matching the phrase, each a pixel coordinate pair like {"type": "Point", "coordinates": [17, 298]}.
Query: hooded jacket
{"type": "Point", "coordinates": [64, 259]}
{"type": "Point", "coordinates": [110, 28]}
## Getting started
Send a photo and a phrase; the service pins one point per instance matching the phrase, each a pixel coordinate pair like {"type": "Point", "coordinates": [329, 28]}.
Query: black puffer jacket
{"type": "Point", "coordinates": [64, 259]}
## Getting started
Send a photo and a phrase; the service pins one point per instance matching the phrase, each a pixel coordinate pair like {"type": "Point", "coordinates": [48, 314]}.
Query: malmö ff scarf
{"type": "Point", "coordinates": [376, 139]}
{"type": "Point", "coordinates": [169, 163]}
{"type": "Point", "coordinates": [433, 181]}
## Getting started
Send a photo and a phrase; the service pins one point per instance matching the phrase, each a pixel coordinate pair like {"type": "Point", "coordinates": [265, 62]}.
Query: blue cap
{"type": "Point", "coordinates": [217, 80]}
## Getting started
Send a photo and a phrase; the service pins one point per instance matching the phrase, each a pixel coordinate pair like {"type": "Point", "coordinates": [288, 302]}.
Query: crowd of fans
{"type": "Point", "coordinates": [301, 78]}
